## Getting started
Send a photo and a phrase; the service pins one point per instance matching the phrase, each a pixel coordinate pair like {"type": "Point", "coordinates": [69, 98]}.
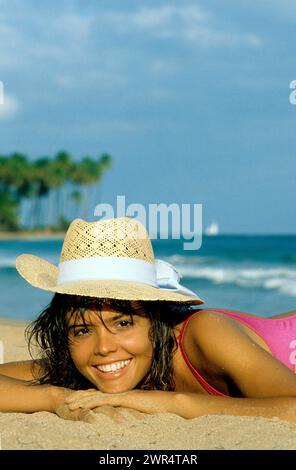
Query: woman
{"type": "Point", "coordinates": [121, 322]}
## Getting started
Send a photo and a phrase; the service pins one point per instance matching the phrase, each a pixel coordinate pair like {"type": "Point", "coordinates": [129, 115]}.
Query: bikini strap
{"type": "Point", "coordinates": [211, 390]}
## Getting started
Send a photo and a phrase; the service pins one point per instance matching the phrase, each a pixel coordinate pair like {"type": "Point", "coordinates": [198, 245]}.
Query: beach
{"type": "Point", "coordinates": [43, 430]}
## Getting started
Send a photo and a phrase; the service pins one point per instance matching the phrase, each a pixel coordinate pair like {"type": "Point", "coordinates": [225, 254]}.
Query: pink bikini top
{"type": "Point", "coordinates": [279, 335]}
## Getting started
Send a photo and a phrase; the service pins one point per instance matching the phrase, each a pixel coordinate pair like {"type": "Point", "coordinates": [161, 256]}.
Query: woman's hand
{"type": "Point", "coordinates": [140, 400]}
{"type": "Point", "coordinates": [63, 410]}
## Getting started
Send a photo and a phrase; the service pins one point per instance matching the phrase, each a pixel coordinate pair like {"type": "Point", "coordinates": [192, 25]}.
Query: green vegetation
{"type": "Point", "coordinates": [47, 188]}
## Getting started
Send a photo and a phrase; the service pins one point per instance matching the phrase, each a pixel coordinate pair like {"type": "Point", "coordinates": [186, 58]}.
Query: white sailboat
{"type": "Point", "coordinates": [212, 229]}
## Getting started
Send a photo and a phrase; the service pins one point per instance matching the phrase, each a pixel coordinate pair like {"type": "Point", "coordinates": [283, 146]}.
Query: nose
{"type": "Point", "coordinates": [105, 341]}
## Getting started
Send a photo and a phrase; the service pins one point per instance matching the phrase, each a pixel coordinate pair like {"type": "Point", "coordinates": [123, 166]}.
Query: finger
{"type": "Point", "coordinates": [131, 412]}
{"type": "Point", "coordinates": [135, 414]}
{"type": "Point", "coordinates": [82, 404]}
{"type": "Point", "coordinates": [110, 411]}
{"type": "Point", "coordinates": [87, 416]}
{"type": "Point", "coordinates": [91, 401]}
{"type": "Point", "coordinates": [77, 395]}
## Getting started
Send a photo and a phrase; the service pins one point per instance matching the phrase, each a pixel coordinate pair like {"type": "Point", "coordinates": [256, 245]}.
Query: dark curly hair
{"type": "Point", "coordinates": [49, 333]}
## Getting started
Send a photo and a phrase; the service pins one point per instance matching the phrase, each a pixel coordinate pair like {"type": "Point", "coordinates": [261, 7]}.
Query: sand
{"type": "Point", "coordinates": [45, 430]}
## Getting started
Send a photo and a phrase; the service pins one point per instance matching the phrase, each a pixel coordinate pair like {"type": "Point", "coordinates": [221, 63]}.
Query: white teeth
{"type": "Point", "coordinates": [114, 366]}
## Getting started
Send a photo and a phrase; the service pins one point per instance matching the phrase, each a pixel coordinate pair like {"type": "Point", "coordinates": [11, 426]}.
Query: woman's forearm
{"type": "Point", "coordinates": [190, 405]}
{"type": "Point", "coordinates": [20, 396]}
{"type": "Point", "coordinates": [187, 405]}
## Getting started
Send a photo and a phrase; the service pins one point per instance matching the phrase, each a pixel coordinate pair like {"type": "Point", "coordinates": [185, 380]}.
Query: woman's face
{"type": "Point", "coordinates": [114, 354]}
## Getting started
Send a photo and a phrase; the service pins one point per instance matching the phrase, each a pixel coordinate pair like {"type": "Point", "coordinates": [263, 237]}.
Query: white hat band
{"type": "Point", "coordinates": [159, 274]}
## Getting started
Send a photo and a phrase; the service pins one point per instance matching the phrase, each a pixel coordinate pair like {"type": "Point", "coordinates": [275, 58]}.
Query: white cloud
{"type": "Point", "coordinates": [188, 23]}
{"type": "Point", "coordinates": [69, 37]}
{"type": "Point", "coordinates": [11, 42]}
{"type": "Point", "coordinates": [206, 36]}
{"type": "Point", "coordinates": [111, 77]}
{"type": "Point", "coordinates": [283, 8]}
{"type": "Point", "coordinates": [167, 16]}
{"type": "Point", "coordinates": [10, 108]}
{"type": "Point", "coordinates": [63, 38]}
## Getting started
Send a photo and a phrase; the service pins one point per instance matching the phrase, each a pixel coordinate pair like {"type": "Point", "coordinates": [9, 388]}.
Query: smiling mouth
{"type": "Point", "coordinates": [114, 367]}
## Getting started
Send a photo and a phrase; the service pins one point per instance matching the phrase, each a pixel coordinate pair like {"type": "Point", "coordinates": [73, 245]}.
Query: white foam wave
{"type": "Point", "coordinates": [185, 260]}
{"type": "Point", "coordinates": [9, 261]}
{"type": "Point", "coordinates": [281, 279]}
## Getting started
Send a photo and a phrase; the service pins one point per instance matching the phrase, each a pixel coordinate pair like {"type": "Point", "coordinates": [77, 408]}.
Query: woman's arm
{"type": "Point", "coordinates": [191, 405]}
{"type": "Point", "coordinates": [20, 396]}
{"type": "Point", "coordinates": [24, 370]}
{"type": "Point", "coordinates": [187, 405]}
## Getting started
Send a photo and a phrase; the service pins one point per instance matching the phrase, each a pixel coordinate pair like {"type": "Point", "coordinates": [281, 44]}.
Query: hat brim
{"type": "Point", "coordinates": [43, 275]}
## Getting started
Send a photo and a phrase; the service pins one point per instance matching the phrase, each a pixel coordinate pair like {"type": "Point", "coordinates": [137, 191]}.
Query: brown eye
{"type": "Point", "coordinates": [125, 323]}
{"type": "Point", "coordinates": [81, 331]}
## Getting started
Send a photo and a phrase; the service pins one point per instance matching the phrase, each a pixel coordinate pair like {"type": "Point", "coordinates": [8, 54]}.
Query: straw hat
{"type": "Point", "coordinates": [111, 258]}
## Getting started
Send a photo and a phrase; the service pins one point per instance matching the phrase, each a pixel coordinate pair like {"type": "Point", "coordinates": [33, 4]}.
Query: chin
{"type": "Point", "coordinates": [116, 389]}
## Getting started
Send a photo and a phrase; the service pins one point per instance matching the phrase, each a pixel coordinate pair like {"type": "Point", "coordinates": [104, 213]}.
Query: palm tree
{"type": "Point", "coordinates": [77, 197]}
{"type": "Point", "coordinates": [61, 169]}
{"type": "Point", "coordinates": [89, 172]}
{"type": "Point", "coordinates": [8, 212]}
{"type": "Point", "coordinates": [41, 184]}
{"type": "Point", "coordinates": [15, 172]}
{"type": "Point", "coordinates": [15, 181]}
{"type": "Point", "coordinates": [84, 173]}
{"type": "Point", "coordinates": [46, 181]}
{"type": "Point", "coordinates": [104, 163]}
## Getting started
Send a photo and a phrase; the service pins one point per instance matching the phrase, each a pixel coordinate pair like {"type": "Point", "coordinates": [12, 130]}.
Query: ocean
{"type": "Point", "coordinates": [255, 274]}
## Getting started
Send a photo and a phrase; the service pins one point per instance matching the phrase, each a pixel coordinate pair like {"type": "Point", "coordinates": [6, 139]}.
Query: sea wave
{"type": "Point", "coordinates": [9, 261]}
{"type": "Point", "coordinates": [280, 279]}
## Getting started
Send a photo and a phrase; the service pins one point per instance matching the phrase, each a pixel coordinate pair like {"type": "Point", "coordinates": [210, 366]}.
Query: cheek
{"type": "Point", "coordinates": [79, 354]}
{"type": "Point", "coordinates": [141, 348]}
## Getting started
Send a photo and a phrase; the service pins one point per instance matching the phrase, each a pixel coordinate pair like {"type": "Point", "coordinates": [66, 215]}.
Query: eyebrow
{"type": "Point", "coordinates": [76, 325]}
{"type": "Point", "coordinates": [85, 325]}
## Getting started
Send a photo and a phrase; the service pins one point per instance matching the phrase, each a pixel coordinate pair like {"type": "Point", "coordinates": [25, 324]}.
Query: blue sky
{"type": "Point", "coordinates": [191, 98]}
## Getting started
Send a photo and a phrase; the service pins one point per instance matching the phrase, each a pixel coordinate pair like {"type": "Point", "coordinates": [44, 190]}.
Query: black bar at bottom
{"type": "Point", "coordinates": [137, 458]}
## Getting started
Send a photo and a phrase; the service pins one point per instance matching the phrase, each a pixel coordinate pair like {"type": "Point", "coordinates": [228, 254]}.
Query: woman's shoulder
{"type": "Point", "coordinates": [210, 331]}
{"type": "Point", "coordinates": [202, 321]}
{"type": "Point", "coordinates": [220, 338]}
{"type": "Point", "coordinates": [227, 347]}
